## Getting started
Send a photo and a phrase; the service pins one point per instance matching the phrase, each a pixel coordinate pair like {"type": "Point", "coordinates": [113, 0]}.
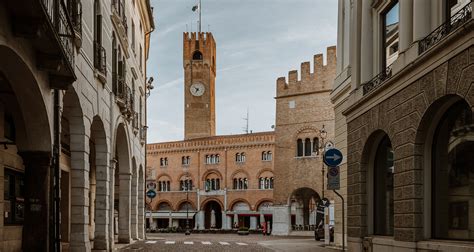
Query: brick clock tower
{"type": "Point", "coordinates": [199, 63]}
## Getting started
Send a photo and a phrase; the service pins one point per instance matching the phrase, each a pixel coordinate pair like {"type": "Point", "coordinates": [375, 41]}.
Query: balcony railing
{"type": "Point", "coordinates": [119, 9]}
{"type": "Point", "coordinates": [75, 11]}
{"type": "Point", "coordinates": [60, 19]}
{"type": "Point", "coordinates": [124, 98]}
{"type": "Point", "coordinates": [457, 20]}
{"type": "Point", "coordinates": [377, 81]}
{"type": "Point", "coordinates": [143, 131]}
{"type": "Point", "coordinates": [100, 58]}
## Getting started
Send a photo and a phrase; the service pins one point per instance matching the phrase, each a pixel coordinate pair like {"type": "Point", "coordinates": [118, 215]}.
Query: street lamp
{"type": "Point", "coordinates": [149, 86]}
{"type": "Point", "coordinates": [323, 134]}
{"type": "Point", "coordinates": [186, 187]}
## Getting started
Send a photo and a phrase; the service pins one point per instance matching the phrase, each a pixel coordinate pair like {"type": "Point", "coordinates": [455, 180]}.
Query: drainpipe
{"type": "Point", "coordinates": [56, 178]}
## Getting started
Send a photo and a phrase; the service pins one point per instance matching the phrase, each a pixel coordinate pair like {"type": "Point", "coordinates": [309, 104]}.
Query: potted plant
{"type": "Point", "coordinates": [243, 231]}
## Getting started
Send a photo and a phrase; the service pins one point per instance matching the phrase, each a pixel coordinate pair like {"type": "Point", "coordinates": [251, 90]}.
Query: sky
{"type": "Point", "coordinates": [257, 42]}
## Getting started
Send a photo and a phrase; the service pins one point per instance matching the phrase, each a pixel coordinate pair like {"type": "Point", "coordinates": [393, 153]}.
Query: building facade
{"type": "Point", "coordinates": [70, 116]}
{"type": "Point", "coordinates": [214, 182]}
{"type": "Point", "coordinates": [409, 111]}
{"type": "Point", "coordinates": [218, 182]}
{"type": "Point", "coordinates": [304, 126]}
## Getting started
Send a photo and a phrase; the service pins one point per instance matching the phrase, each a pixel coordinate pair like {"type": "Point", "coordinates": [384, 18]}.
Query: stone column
{"type": "Point", "coordinates": [37, 180]}
{"type": "Point", "coordinates": [79, 192]}
{"type": "Point", "coordinates": [141, 206]}
{"type": "Point", "coordinates": [340, 38]}
{"type": "Point", "coordinates": [134, 207]}
{"type": "Point", "coordinates": [229, 222]}
{"type": "Point", "coordinates": [124, 207]}
{"type": "Point", "coordinates": [405, 25]}
{"type": "Point", "coordinates": [102, 213]}
{"type": "Point", "coordinates": [366, 47]}
{"type": "Point", "coordinates": [421, 19]}
{"type": "Point", "coordinates": [236, 219]}
{"type": "Point", "coordinates": [170, 219]}
{"type": "Point", "coordinates": [201, 220]}
{"type": "Point", "coordinates": [281, 220]}
{"type": "Point", "coordinates": [213, 218]}
{"type": "Point", "coordinates": [111, 228]}
{"type": "Point", "coordinates": [224, 220]}
{"type": "Point", "coordinates": [299, 217]}
{"type": "Point", "coordinates": [253, 222]}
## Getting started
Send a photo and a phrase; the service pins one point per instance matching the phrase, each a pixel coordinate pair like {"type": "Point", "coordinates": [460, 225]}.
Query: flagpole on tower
{"type": "Point", "coordinates": [199, 15]}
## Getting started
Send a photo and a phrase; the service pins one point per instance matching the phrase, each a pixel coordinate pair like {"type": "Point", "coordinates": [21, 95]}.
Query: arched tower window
{"type": "Point", "coordinates": [307, 147]}
{"type": "Point", "coordinates": [300, 148]}
{"type": "Point", "coordinates": [197, 55]}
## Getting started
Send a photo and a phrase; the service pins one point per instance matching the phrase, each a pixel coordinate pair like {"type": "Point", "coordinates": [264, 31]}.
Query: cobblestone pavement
{"type": "Point", "coordinates": [223, 242]}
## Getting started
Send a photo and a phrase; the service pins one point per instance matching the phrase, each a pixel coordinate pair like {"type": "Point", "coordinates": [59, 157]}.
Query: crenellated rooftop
{"type": "Point", "coordinates": [320, 79]}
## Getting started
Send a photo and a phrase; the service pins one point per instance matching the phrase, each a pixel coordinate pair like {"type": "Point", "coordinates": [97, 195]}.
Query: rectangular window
{"type": "Point", "coordinates": [390, 20]}
{"type": "Point", "coordinates": [141, 58]}
{"type": "Point", "coordinates": [14, 202]}
{"type": "Point", "coordinates": [133, 36]}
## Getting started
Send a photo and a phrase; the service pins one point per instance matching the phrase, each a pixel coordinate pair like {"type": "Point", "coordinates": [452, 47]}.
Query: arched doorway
{"type": "Point", "coordinates": [447, 134]}
{"type": "Point", "coordinates": [303, 202]}
{"type": "Point", "coordinates": [188, 208]}
{"type": "Point", "coordinates": [99, 190]}
{"type": "Point", "coordinates": [212, 215]}
{"type": "Point", "coordinates": [123, 184]}
{"type": "Point", "coordinates": [26, 156]}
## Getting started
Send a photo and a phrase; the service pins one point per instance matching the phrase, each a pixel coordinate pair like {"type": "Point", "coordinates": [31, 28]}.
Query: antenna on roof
{"type": "Point", "coordinates": [247, 119]}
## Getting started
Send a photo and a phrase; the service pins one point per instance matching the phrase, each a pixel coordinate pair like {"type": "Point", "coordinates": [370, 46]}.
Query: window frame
{"type": "Point", "coordinates": [12, 197]}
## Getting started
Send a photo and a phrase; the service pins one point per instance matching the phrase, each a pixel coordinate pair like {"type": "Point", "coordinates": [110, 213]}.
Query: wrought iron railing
{"type": "Point", "coordinates": [119, 9]}
{"type": "Point", "coordinates": [135, 121]}
{"type": "Point", "coordinates": [457, 20]}
{"type": "Point", "coordinates": [75, 11]}
{"type": "Point", "coordinates": [143, 131]}
{"type": "Point", "coordinates": [60, 19]}
{"type": "Point", "coordinates": [100, 58]}
{"type": "Point", "coordinates": [377, 81]}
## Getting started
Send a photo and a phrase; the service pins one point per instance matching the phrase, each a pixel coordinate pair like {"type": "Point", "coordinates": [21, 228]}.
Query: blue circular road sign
{"type": "Point", "coordinates": [332, 157]}
{"type": "Point", "coordinates": [151, 194]}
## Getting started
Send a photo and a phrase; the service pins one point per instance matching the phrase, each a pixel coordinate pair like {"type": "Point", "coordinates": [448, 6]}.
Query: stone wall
{"type": "Point", "coordinates": [402, 117]}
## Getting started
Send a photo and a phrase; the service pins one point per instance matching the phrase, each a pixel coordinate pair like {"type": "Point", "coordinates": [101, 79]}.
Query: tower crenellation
{"type": "Point", "coordinates": [318, 80]}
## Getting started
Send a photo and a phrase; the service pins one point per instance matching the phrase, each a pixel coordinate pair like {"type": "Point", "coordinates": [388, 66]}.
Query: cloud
{"type": "Point", "coordinates": [257, 41]}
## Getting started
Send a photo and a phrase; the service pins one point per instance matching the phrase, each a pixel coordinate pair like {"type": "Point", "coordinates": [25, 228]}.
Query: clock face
{"type": "Point", "coordinates": [197, 89]}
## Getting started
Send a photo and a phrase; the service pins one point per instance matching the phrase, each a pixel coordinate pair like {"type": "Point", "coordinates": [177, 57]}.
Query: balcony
{"type": "Point", "coordinates": [119, 20]}
{"type": "Point", "coordinates": [457, 20]}
{"type": "Point", "coordinates": [47, 24]}
{"type": "Point", "coordinates": [100, 61]}
{"type": "Point", "coordinates": [377, 81]}
{"type": "Point", "coordinates": [135, 123]}
{"type": "Point", "coordinates": [124, 98]}
{"type": "Point", "coordinates": [143, 131]}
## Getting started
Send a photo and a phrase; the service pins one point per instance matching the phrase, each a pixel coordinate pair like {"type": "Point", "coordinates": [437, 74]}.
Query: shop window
{"type": "Point", "coordinates": [453, 175]}
{"type": "Point", "coordinates": [14, 203]}
{"type": "Point", "coordinates": [383, 189]}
